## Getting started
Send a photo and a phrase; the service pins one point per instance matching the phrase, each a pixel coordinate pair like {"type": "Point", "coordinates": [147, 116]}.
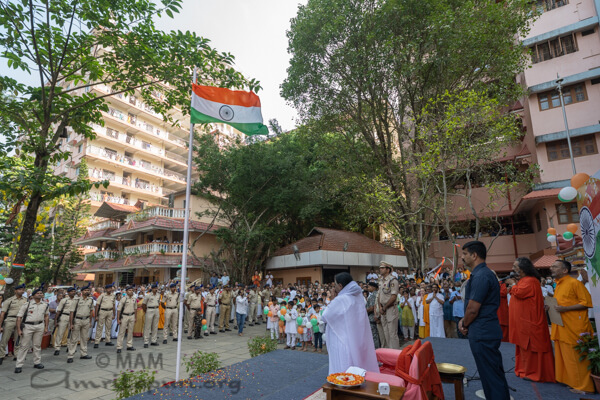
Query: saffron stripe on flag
{"type": "Point", "coordinates": [227, 96]}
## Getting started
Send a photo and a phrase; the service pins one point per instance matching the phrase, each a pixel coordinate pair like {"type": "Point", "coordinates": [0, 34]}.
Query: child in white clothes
{"type": "Point", "coordinates": [306, 337]}
{"type": "Point", "coordinates": [291, 328]}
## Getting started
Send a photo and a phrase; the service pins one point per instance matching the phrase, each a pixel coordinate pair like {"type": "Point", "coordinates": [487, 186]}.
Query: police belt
{"type": "Point", "coordinates": [81, 317]}
{"type": "Point", "coordinates": [208, 305]}
{"type": "Point", "coordinates": [151, 307]}
{"type": "Point", "coordinates": [171, 308]}
{"type": "Point", "coordinates": [11, 316]}
{"type": "Point", "coordinates": [199, 308]}
{"type": "Point", "coordinates": [224, 304]}
{"type": "Point", "coordinates": [33, 323]}
{"type": "Point", "coordinates": [127, 314]}
{"type": "Point", "coordinates": [106, 309]}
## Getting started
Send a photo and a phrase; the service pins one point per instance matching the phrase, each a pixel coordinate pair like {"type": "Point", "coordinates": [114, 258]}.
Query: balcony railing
{"type": "Point", "coordinates": [133, 142]}
{"type": "Point", "coordinates": [102, 255]}
{"type": "Point", "coordinates": [108, 224]}
{"type": "Point", "coordinates": [128, 181]}
{"type": "Point", "coordinates": [154, 248]}
{"type": "Point", "coordinates": [111, 199]}
{"type": "Point", "coordinates": [157, 212]}
{"type": "Point", "coordinates": [135, 163]}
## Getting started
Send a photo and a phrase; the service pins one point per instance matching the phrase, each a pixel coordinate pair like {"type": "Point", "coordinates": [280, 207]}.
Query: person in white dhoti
{"type": "Point", "coordinates": [349, 339]}
{"type": "Point", "coordinates": [436, 312]}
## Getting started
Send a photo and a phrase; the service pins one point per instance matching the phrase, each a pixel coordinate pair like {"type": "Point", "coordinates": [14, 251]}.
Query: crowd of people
{"type": "Point", "coordinates": [397, 306]}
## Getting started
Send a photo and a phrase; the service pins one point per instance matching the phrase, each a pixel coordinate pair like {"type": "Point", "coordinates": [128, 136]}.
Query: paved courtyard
{"type": "Point", "coordinates": [92, 379]}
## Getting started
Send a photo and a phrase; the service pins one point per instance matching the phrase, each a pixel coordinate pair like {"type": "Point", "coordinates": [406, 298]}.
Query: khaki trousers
{"type": "Point", "coordinates": [211, 315]}
{"type": "Point", "coordinates": [151, 325]}
{"type": "Point", "coordinates": [81, 330]}
{"type": "Point", "coordinates": [10, 327]}
{"type": "Point", "coordinates": [389, 323]}
{"type": "Point", "coordinates": [382, 341]}
{"type": "Point", "coordinates": [127, 323]}
{"type": "Point", "coordinates": [32, 337]}
{"type": "Point", "coordinates": [252, 313]}
{"type": "Point", "coordinates": [63, 325]}
{"type": "Point", "coordinates": [171, 321]}
{"type": "Point", "coordinates": [224, 312]}
{"type": "Point", "coordinates": [105, 318]}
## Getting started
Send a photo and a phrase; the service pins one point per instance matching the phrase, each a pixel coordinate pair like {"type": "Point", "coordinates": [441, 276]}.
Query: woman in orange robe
{"type": "Point", "coordinates": [528, 325]}
{"type": "Point", "coordinates": [503, 312]}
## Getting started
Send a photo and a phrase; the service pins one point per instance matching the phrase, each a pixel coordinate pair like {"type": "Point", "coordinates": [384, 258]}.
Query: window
{"type": "Point", "coordinates": [567, 213]}
{"type": "Point", "coordinates": [538, 222]}
{"type": "Point", "coordinates": [582, 146]}
{"type": "Point", "coordinates": [548, 5]}
{"type": "Point", "coordinates": [571, 94]}
{"type": "Point", "coordinates": [79, 148]}
{"type": "Point", "coordinates": [557, 47]}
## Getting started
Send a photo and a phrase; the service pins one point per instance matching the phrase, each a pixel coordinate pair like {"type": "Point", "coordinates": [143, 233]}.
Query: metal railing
{"type": "Point", "coordinates": [153, 248]}
{"type": "Point", "coordinates": [157, 212]}
{"type": "Point", "coordinates": [102, 255]}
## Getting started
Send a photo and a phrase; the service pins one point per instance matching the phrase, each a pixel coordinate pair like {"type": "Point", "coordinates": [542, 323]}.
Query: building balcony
{"type": "Point", "coordinates": [135, 164]}
{"type": "Point", "coordinates": [178, 213]}
{"type": "Point", "coordinates": [154, 248]}
{"type": "Point", "coordinates": [106, 224]}
{"type": "Point", "coordinates": [130, 103]}
{"type": "Point", "coordinates": [110, 199]}
{"type": "Point", "coordinates": [137, 145]}
{"type": "Point", "coordinates": [102, 255]}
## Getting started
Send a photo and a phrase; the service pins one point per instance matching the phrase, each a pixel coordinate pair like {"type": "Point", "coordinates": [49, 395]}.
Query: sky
{"type": "Point", "coordinates": [254, 31]}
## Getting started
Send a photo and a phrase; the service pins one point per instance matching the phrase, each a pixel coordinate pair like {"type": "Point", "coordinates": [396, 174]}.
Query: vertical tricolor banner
{"type": "Point", "coordinates": [237, 108]}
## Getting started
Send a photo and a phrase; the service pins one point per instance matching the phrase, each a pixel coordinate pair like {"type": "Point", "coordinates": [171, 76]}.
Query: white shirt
{"type": "Point", "coordinates": [241, 305]}
{"type": "Point", "coordinates": [435, 308]}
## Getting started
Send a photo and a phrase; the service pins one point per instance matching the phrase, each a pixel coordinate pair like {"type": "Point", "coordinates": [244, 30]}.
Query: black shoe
{"type": "Point", "coordinates": [174, 340]}
{"type": "Point", "coordinates": [227, 330]}
{"type": "Point", "coordinates": [69, 360]}
{"type": "Point", "coordinates": [131, 349]}
{"type": "Point", "coordinates": [189, 337]}
{"type": "Point", "coordinates": [56, 353]}
{"type": "Point", "coordinates": [231, 321]}
{"type": "Point", "coordinates": [258, 323]}
{"type": "Point", "coordinates": [88, 357]}
{"type": "Point", "coordinates": [109, 344]}
{"type": "Point", "coordinates": [251, 324]}
{"type": "Point", "coordinates": [185, 331]}
{"type": "Point", "coordinates": [164, 341]}
{"type": "Point", "coordinates": [118, 351]}
{"type": "Point", "coordinates": [205, 334]}
{"type": "Point", "coordinates": [96, 345]}
{"type": "Point", "coordinates": [38, 366]}
{"type": "Point", "coordinates": [221, 330]}
{"type": "Point", "coordinates": [145, 345]}
{"type": "Point", "coordinates": [2, 360]}
{"type": "Point", "coordinates": [17, 370]}
{"type": "Point", "coordinates": [171, 334]}
{"type": "Point", "coordinates": [200, 337]}
{"type": "Point", "coordinates": [234, 327]}
{"type": "Point", "coordinates": [154, 344]}
{"type": "Point", "coordinates": [213, 333]}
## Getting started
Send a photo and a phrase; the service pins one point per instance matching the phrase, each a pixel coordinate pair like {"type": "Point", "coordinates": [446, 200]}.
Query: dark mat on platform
{"type": "Point", "coordinates": [281, 374]}
{"type": "Point", "coordinates": [457, 351]}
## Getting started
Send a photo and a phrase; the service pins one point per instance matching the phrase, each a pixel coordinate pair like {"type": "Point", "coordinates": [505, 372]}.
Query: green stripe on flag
{"type": "Point", "coordinates": [249, 129]}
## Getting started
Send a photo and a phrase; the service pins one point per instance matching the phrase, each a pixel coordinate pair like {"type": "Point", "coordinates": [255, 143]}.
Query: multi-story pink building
{"type": "Point", "coordinates": [564, 41]}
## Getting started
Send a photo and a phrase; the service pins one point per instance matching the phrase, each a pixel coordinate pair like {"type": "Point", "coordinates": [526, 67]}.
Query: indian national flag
{"type": "Point", "coordinates": [237, 108]}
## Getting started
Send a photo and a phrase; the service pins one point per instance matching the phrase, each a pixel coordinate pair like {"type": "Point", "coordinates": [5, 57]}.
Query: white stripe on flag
{"type": "Point", "coordinates": [242, 115]}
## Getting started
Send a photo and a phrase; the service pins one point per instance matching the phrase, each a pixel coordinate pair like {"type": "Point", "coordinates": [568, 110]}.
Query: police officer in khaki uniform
{"type": "Point", "coordinates": [36, 316]}
{"type": "Point", "coordinates": [171, 306]}
{"type": "Point", "coordinates": [194, 303]}
{"type": "Point", "coordinates": [82, 313]}
{"type": "Point", "coordinates": [386, 298]}
{"type": "Point", "coordinates": [252, 304]}
{"type": "Point", "coordinates": [105, 311]}
{"type": "Point", "coordinates": [126, 319]}
{"type": "Point", "coordinates": [211, 310]}
{"type": "Point", "coordinates": [8, 318]}
{"type": "Point", "coordinates": [225, 301]}
{"type": "Point", "coordinates": [150, 306]}
{"type": "Point", "coordinates": [63, 316]}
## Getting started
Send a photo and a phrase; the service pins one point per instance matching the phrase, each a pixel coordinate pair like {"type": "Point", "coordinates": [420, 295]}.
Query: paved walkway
{"type": "Point", "coordinates": [92, 379]}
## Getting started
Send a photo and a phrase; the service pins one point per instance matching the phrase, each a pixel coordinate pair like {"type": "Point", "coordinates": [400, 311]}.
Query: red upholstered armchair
{"type": "Point", "coordinates": [415, 369]}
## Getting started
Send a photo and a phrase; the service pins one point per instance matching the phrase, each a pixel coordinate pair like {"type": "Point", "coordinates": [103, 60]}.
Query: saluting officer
{"type": "Point", "coordinates": [105, 311]}
{"type": "Point", "coordinates": [8, 318]}
{"type": "Point", "coordinates": [63, 316]}
{"type": "Point", "coordinates": [126, 319]}
{"type": "Point", "coordinates": [82, 312]}
{"type": "Point", "coordinates": [386, 298]}
{"type": "Point", "coordinates": [225, 308]}
{"type": "Point", "coordinates": [252, 302]}
{"type": "Point", "coordinates": [171, 306]}
{"type": "Point", "coordinates": [211, 310]}
{"type": "Point", "coordinates": [35, 314]}
{"type": "Point", "coordinates": [194, 303]}
{"type": "Point", "coordinates": [150, 306]}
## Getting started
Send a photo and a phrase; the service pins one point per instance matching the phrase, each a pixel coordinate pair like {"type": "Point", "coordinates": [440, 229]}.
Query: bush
{"type": "Point", "coordinates": [201, 363]}
{"type": "Point", "coordinates": [132, 382]}
{"type": "Point", "coordinates": [261, 345]}
{"type": "Point", "coordinates": [588, 348]}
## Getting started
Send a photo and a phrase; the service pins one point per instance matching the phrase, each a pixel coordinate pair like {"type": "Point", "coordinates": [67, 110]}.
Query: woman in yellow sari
{"type": "Point", "coordinates": [138, 328]}
{"type": "Point", "coordinates": [424, 329]}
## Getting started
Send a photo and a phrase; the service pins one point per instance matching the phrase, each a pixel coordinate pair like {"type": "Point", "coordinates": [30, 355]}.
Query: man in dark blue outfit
{"type": "Point", "coordinates": [482, 299]}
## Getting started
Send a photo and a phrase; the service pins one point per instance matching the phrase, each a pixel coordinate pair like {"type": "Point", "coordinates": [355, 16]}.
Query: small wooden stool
{"type": "Point", "coordinates": [453, 373]}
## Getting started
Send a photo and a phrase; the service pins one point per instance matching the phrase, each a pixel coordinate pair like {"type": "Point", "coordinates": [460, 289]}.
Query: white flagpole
{"type": "Point", "coordinates": [186, 234]}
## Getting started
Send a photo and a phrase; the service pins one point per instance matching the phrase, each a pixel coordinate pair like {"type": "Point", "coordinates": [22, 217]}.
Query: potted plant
{"type": "Point", "coordinates": [588, 348]}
